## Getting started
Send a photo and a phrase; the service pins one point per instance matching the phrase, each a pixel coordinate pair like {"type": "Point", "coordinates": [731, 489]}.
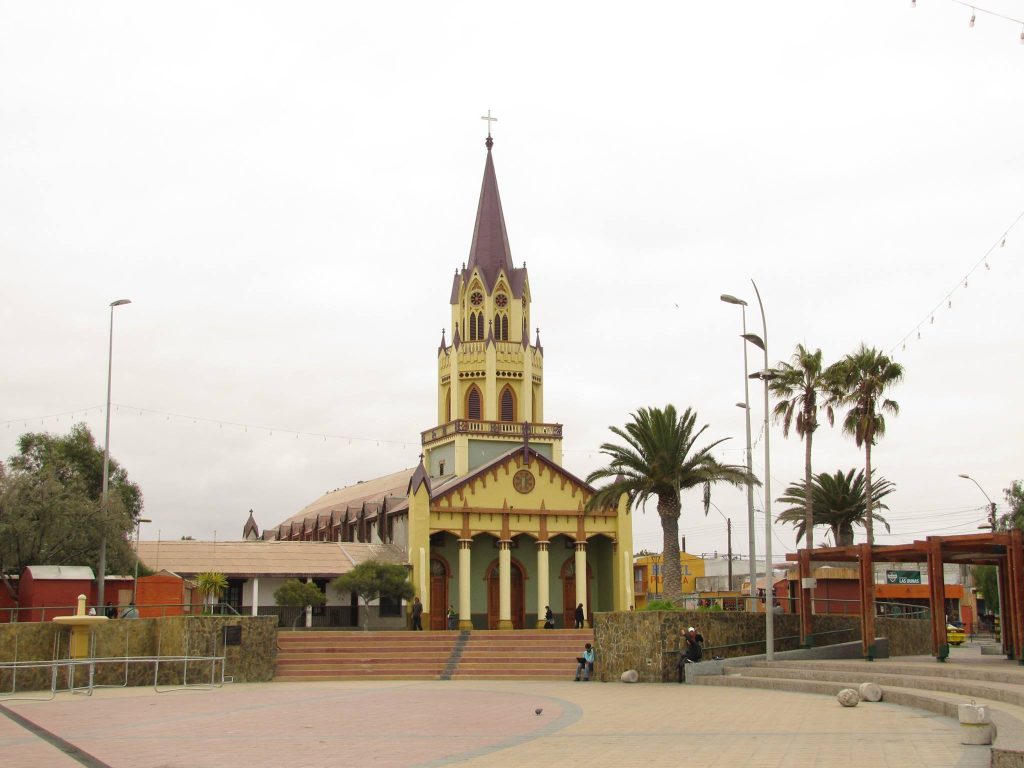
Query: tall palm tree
{"type": "Point", "coordinates": [797, 386]}
{"type": "Point", "coordinates": [660, 460]}
{"type": "Point", "coordinates": [839, 502]}
{"type": "Point", "coordinates": [863, 378]}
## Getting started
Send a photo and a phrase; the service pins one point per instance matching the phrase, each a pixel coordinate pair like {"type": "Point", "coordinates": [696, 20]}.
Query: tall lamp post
{"type": "Point", "coordinates": [745, 405]}
{"type": "Point", "coordinates": [992, 526]}
{"type": "Point", "coordinates": [101, 576]}
{"type": "Point", "coordinates": [135, 582]}
{"type": "Point", "coordinates": [766, 375]}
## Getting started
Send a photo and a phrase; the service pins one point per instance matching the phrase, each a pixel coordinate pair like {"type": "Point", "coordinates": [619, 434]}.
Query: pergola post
{"type": "Point", "coordinates": [804, 572]}
{"type": "Point", "coordinates": [1004, 604]}
{"type": "Point", "coordinates": [867, 601]}
{"type": "Point", "coordinates": [1016, 613]}
{"type": "Point", "coordinates": [937, 594]}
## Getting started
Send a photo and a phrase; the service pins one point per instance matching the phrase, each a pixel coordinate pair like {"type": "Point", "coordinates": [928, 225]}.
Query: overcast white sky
{"type": "Point", "coordinates": [284, 190]}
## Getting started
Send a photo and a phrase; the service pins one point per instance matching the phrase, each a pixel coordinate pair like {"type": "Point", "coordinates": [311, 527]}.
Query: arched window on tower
{"type": "Point", "coordinates": [497, 326]}
{"type": "Point", "coordinates": [480, 326]}
{"type": "Point", "coordinates": [472, 326]}
{"type": "Point", "coordinates": [508, 404]}
{"type": "Point", "coordinates": [504, 327]}
{"type": "Point", "coordinates": [474, 404]}
{"type": "Point", "coordinates": [448, 406]}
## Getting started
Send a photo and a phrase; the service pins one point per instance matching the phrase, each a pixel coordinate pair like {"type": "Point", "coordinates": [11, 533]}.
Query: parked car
{"type": "Point", "coordinates": [955, 635]}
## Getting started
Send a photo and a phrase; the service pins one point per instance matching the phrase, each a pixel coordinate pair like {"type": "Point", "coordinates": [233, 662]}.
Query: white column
{"type": "Point", "coordinates": [309, 608]}
{"type": "Point", "coordinates": [255, 595]}
{"type": "Point", "coordinates": [465, 603]}
{"type": "Point", "coordinates": [542, 581]}
{"type": "Point", "coordinates": [504, 585]}
{"type": "Point", "coordinates": [580, 564]}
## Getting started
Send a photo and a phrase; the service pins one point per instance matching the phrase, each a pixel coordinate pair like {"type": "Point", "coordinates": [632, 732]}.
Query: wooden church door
{"type": "Point", "coordinates": [516, 593]}
{"type": "Point", "coordinates": [569, 593]}
{"type": "Point", "coordinates": [438, 593]}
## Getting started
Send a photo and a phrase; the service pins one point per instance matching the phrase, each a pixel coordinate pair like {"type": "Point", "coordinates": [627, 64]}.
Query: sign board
{"type": "Point", "coordinates": [902, 577]}
{"type": "Point", "coordinates": [233, 635]}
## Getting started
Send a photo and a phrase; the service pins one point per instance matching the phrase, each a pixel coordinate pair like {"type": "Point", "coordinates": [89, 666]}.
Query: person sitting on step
{"type": "Point", "coordinates": [585, 664]}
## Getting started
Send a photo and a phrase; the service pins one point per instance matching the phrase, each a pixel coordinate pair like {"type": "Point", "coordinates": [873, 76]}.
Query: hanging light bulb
{"type": "Point", "coordinates": [904, 346]}
{"type": "Point", "coordinates": [949, 304]}
{"type": "Point", "coordinates": [987, 267]}
{"type": "Point", "coordinates": [919, 334]}
{"type": "Point", "coordinates": [1003, 244]}
{"type": "Point", "coordinates": [971, 22]}
{"type": "Point", "coordinates": [933, 319]}
{"type": "Point", "coordinates": [965, 283]}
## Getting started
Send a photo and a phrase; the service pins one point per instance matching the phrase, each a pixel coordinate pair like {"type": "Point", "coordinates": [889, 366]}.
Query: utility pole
{"type": "Point", "coordinates": [728, 532]}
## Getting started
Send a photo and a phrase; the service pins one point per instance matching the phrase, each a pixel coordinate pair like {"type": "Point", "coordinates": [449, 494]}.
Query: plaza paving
{"type": "Point", "coordinates": [485, 723]}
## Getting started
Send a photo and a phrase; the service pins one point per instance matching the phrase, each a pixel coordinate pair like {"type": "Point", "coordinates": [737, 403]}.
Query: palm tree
{"type": "Point", "coordinates": [862, 380]}
{"type": "Point", "coordinates": [839, 501]}
{"type": "Point", "coordinates": [660, 460]}
{"type": "Point", "coordinates": [211, 585]}
{"type": "Point", "coordinates": [797, 387]}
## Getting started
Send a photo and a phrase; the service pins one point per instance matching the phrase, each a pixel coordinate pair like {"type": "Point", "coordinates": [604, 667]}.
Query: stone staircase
{"type": "Point", "coordinates": [919, 682]}
{"type": "Point", "coordinates": [478, 654]}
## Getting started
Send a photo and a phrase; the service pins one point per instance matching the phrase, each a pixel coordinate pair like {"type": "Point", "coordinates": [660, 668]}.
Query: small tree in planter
{"type": "Point", "coordinates": [211, 585]}
{"type": "Point", "coordinates": [372, 580]}
{"type": "Point", "coordinates": [299, 594]}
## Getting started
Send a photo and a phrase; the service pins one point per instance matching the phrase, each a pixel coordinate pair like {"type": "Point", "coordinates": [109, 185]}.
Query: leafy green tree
{"type": "Point", "coordinates": [298, 594]}
{"type": "Point", "coordinates": [985, 580]}
{"type": "Point", "coordinates": [839, 501]}
{"type": "Point", "coordinates": [372, 580]}
{"type": "Point", "coordinates": [1014, 518]}
{"type": "Point", "coordinates": [863, 378]}
{"type": "Point", "coordinates": [660, 460]}
{"type": "Point", "coordinates": [798, 387]}
{"type": "Point", "coordinates": [50, 511]}
{"type": "Point", "coordinates": [211, 585]}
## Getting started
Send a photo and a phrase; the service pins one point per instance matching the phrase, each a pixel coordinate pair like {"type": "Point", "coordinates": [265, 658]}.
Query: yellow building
{"type": "Point", "coordinates": [490, 521]}
{"type": "Point", "coordinates": [647, 576]}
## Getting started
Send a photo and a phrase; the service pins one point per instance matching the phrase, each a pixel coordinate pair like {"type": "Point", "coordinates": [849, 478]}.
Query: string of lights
{"type": "Point", "coordinates": [976, 9]}
{"type": "Point", "coordinates": [947, 300]}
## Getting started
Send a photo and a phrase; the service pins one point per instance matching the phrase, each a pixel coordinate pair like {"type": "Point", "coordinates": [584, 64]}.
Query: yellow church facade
{"type": "Point", "coordinates": [492, 525]}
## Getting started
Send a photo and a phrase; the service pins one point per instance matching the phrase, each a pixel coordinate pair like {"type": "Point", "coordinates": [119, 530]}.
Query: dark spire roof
{"type": "Point", "coordinates": [419, 477]}
{"type": "Point", "coordinates": [250, 525]}
{"type": "Point", "coordinates": [490, 251]}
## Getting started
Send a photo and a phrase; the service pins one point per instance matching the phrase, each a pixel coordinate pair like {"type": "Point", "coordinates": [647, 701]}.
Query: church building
{"type": "Point", "coordinates": [489, 521]}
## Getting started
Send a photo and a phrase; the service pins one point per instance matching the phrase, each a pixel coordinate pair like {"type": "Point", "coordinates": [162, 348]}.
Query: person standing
{"type": "Point", "coordinates": [692, 651]}
{"type": "Point", "coordinates": [579, 616]}
{"type": "Point", "coordinates": [549, 618]}
{"type": "Point", "coordinates": [451, 617]}
{"type": "Point", "coordinates": [417, 614]}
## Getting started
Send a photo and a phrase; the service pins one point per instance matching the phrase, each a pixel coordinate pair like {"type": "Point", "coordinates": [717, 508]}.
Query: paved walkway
{"type": "Point", "coordinates": [486, 723]}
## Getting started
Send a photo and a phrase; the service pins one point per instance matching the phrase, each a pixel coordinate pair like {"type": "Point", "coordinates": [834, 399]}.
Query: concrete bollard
{"type": "Point", "coordinates": [975, 724]}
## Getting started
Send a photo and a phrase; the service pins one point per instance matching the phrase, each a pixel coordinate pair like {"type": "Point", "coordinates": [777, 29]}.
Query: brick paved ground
{"type": "Point", "coordinates": [308, 725]}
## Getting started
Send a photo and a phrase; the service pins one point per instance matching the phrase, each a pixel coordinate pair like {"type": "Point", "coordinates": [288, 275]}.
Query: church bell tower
{"type": "Point", "coordinates": [490, 377]}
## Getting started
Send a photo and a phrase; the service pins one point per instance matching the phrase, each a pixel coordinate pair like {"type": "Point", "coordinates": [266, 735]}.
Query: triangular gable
{"type": "Point", "coordinates": [453, 494]}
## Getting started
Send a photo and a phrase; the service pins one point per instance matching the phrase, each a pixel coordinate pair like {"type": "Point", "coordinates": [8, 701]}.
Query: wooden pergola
{"type": "Point", "coordinates": [1004, 549]}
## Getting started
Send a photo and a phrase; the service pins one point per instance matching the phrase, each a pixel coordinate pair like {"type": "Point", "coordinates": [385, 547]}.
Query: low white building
{"type": "Point", "coordinates": [256, 569]}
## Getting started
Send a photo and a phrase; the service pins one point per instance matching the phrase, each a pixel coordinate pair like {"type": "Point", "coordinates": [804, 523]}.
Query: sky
{"type": "Point", "coordinates": [284, 190]}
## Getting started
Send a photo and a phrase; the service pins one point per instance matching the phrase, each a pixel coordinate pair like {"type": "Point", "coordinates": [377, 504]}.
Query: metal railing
{"type": "Point", "coordinates": [42, 613]}
{"type": "Point", "coordinates": [825, 606]}
{"type": "Point", "coordinates": [62, 667]}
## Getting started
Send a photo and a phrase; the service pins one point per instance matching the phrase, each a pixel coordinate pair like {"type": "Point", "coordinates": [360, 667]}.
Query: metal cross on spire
{"type": "Point", "coordinates": [489, 119]}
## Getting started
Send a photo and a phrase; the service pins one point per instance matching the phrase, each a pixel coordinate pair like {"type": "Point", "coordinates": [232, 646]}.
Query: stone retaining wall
{"type": "Point", "coordinates": [252, 661]}
{"type": "Point", "coordinates": [649, 641]}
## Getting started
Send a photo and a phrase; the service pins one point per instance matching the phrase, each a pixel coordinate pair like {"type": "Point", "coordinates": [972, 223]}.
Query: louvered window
{"type": "Point", "coordinates": [508, 405]}
{"type": "Point", "coordinates": [473, 403]}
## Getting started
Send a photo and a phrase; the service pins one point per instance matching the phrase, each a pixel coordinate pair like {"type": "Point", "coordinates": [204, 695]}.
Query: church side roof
{"type": "Point", "coordinates": [264, 558]}
{"type": "Point", "coordinates": [354, 496]}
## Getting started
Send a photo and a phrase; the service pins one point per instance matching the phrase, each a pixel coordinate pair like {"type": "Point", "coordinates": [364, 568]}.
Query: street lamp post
{"type": "Point", "coordinates": [135, 582]}
{"type": "Point", "coordinates": [766, 375]}
{"type": "Point", "coordinates": [745, 405]}
{"type": "Point", "coordinates": [101, 576]}
{"type": "Point", "coordinates": [992, 526]}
